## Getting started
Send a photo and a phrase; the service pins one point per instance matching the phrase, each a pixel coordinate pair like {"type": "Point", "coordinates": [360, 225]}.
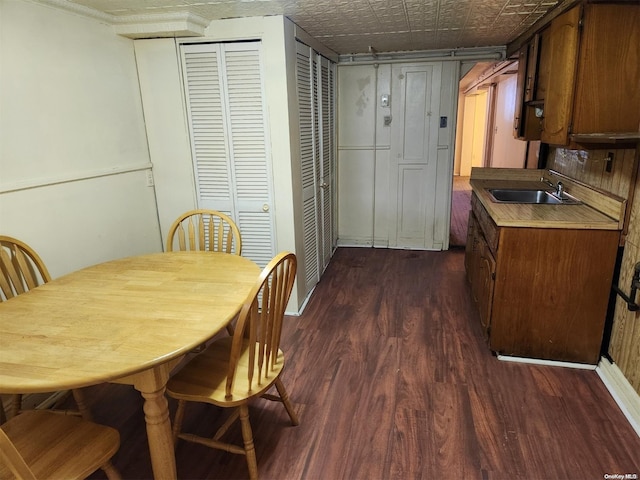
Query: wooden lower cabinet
{"type": "Point", "coordinates": [480, 271]}
{"type": "Point", "coordinates": [543, 292]}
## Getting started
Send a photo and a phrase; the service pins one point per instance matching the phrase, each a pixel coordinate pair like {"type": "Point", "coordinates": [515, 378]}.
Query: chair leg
{"type": "Point", "coordinates": [247, 436]}
{"type": "Point", "coordinates": [177, 421]}
{"type": "Point", "coordinates": [284, 397]}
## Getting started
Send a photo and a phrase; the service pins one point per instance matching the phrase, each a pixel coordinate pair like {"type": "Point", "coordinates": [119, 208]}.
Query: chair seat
{"type": "Point", "coordinates": [234, 370]}
{"type": "Point", "coordinates": [204, 378]}
{"type": "Point", "coordinates": [58, 446]}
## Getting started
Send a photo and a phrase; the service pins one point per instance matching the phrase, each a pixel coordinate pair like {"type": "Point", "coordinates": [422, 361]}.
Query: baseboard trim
{"type": "Point", "coordinates": [550, 363]}
{"type": "Point", "coordinates": [622, 392]}
{"type": "Point", "coordinates": [614, 380]}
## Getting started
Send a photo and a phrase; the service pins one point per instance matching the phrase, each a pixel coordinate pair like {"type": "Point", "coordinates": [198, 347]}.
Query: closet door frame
{"type": "Point", "coordinates": [229, 137]}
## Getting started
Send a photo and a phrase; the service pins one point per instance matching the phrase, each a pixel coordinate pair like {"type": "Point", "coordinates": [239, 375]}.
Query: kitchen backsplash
{"type": "Point", "coordinates": [610, 170]}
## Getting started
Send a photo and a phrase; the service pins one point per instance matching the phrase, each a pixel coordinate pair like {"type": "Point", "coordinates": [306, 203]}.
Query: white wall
{"type": "Point", "coordinates": [507, 151]}
{"type": "Point", "coordinates": [73, 148]}
{"type": "Point", "coordinates": [474, 126]}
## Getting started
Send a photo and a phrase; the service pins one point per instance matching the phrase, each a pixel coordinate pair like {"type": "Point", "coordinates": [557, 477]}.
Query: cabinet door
{"type": "Point", "coordinates": [486, 276]}
{"type": "Point", "coordinates": [518, 121]}
{"type": "Point", "coordinates": [608, 85]}
{"type": "Point", "coordinates": [561, 46]}
{"type": "Point", "coordinates": [470, 247]}
{"type": "Point", "coordinates": [481, 267]}
{"type": "Point", "coordinates": [527, 125]}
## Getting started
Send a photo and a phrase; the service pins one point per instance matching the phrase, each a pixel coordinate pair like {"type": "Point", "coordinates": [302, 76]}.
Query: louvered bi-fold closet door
{"type": "Point", "coordinates": [315, 82]}
{"type": "Point", "coordinates": [227, 122]}
{"type": "Point", "coordinates": [327, 156]}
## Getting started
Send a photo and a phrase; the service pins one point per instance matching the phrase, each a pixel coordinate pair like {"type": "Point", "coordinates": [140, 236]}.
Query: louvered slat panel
{"type": "Point", "coordinates": [244, 90]}
{"type": "Point", "coordinates": [254, 227]}
{"type": "Point", "coordinates": [307, 113]}
{"type": "Point", "coordinates": [327, 162]}
{"type": "Point", "coordinates": [310, 241]}
{"type": "Point", "coordinates": [205, 110]}
{"type": "Point", "coordinates": [303, 70]}
{"type": "Point", "coordinates": [317, 112]}
{"type": "Point", "coordinates": [326, 134]}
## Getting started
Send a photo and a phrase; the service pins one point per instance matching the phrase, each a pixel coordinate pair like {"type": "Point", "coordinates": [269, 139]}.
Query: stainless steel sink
{"type": "Point", "coordinates": [506, 195]}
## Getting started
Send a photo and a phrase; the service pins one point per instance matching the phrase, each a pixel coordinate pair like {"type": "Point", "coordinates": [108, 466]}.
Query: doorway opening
{"type": "Point", "coordinates": [484, 133]}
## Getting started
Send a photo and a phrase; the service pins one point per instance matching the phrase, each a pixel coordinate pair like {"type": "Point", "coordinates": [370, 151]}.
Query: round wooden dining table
{"type": "Point", "coordinates": [126, 321]}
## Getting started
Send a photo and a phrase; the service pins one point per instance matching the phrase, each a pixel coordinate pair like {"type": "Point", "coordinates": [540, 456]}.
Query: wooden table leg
{"type": "Point", "coordinates": [156, 414]}
{"type": "Point", "coordinates": [152, 385]}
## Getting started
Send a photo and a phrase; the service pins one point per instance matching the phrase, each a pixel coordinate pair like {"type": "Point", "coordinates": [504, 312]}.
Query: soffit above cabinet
{"type": "Point", "coordinates": [344, 26]}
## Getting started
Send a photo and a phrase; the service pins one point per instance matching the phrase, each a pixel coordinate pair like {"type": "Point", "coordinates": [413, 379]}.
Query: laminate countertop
{"type": "Point", "coordinates": [574, 216]}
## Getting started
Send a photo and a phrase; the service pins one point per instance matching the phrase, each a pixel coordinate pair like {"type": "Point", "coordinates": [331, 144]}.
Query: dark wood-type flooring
{"type": "Point", "coordinates": [392, 379]}
{"type": "Point", "coordinates": [460, 207]}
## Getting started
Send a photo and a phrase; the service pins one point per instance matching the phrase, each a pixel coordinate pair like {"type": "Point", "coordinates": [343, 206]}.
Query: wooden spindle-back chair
{"type": "Point", "coordinates": [43, 445]}
{"type": "Point", "coordinates": [204, 229]}
{"type": "Point", "coordinates": [21, 270]}
{"type": "Point", "coordinates": [234, 370]}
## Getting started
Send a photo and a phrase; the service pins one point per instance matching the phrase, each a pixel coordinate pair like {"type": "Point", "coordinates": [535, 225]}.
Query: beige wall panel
{"type": "Point", "coordinates": [355, 200]}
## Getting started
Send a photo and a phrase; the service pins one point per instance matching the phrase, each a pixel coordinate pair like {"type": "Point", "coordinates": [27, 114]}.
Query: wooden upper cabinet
{"type": "Point", "coordinates": [520, 106]}
{"type": "Point", "coordinates": [589, 56]}
{"type": "Point", "coordinates": [608, 70]}
{"type": "Point", "coordinates": [560, 48]}
{"type": "Point", "coordinates": [527, 126]}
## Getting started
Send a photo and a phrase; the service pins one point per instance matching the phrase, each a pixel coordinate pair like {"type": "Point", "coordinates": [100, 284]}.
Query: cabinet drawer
{"type": "Point", "coordinates": [490, 230]}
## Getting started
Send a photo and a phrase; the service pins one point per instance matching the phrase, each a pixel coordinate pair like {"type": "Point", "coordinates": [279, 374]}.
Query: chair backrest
{"type": "Point", "coordinates": [21, 268]}
{"type": "Point", "coordinates": [13, 460]}
{"type": "Point", "coordinates": [260, 321]}
{"type": "Point", "coordinates": [204, 230]}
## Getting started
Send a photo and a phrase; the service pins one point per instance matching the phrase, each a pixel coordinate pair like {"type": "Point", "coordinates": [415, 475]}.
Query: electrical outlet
{"type": "Point", "coordinates": [608, 163]}
{"type": "Point", "coordinates": [149, 178]}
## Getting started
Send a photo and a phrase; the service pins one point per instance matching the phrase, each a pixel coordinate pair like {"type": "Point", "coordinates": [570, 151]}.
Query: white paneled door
{"type": "Point", "coordinates": [228, 128]}
{"type": "Point", "coordinates": [413, 156]}
{"type": "Point", "coordinates": [315, 82]}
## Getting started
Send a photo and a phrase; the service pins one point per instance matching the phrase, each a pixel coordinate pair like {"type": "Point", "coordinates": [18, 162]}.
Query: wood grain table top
{"type": "Point", "coordinates": [118, 318]}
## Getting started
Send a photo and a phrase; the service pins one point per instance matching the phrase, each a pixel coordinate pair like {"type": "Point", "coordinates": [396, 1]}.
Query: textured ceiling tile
{"type": "Point", "coordinates": [351, 26]}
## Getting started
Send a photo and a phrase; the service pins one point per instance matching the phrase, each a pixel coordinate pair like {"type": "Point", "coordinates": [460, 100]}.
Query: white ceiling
{"type": "Point", "coordinates": [353, 26]}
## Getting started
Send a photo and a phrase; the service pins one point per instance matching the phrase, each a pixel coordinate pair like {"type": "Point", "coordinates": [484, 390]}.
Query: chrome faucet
{"type": "Point", "coordinates": [548, 182]}
{"type": "Point", "coordinates": [559, 187]}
